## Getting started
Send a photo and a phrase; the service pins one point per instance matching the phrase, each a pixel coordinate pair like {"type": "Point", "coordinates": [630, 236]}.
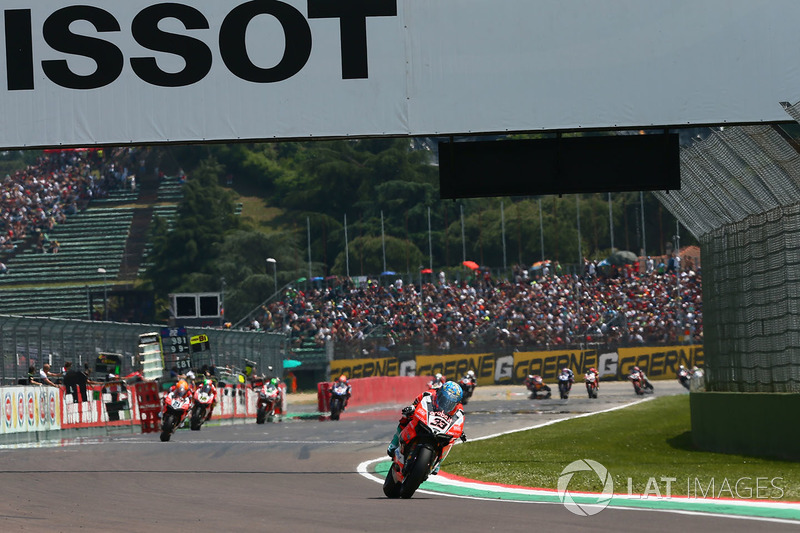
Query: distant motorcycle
{"type": "Point", "coordinates": [590, 378]}
{"type": "Point", "coordinates": [537, 386]}
{"type": "Point", "coordinates": [467, 386]}
{"type": "Point", "coordinates": [684, 377]}
{"type": "Point", "coordinates": [204, 398]}
{"type": "Point", "coordinates": [564, 385]}
{"type": "Point", "coordinates": [268, 403]}
{"type": "Point", "coordinates": [338, 399]}
{"type": "Point", "coordinates": [640, 383]}
{"type": "Point", "coordinates": [176, 408]}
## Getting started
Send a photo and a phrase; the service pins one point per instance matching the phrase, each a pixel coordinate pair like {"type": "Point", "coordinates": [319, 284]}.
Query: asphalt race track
{"type": "Point", "coordinates": [298, 475]}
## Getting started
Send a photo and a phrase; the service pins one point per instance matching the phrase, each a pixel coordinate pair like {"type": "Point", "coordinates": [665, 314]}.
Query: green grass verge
{"type": "Point", "coordinates": [649, 440]}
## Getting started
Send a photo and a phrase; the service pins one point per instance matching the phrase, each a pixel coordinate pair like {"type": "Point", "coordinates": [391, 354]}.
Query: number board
{"type": "Point", "coordinates": [200, 343]}
{"type": "Point", "coordinates": [184, 365]}
{"type": "Point", "coordinates": [174, 340]}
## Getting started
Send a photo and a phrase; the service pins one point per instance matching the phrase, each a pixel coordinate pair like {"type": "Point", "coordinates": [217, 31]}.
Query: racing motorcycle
{"type": "Point", "coordinates": [467, 386]}
{"type": "Point", "coordinates": [564, 385]}
{"type": "Point", "coordinates": [591, 384]}
{"type": "Point", "coordinates": [204, 398]}
{"type": "Point", "coordinates": [338, 399]}
{"type": "Point", "coordinates": [426, 441]}
{"type": "Point", "coordinates": [684, 377]}
{"type": "Point", "coordinates": [640, 384]}
{"type": "Point", "coordinates": [174, 413]}
{"type": "Point", "coordinates": [268, 403]}
{"type": "Point", "coordinates": [536, 385]}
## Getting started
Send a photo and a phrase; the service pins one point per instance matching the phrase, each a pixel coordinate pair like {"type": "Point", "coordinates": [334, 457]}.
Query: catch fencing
{"type": "Point", "coordinates": [28, 342]}
{"type": "Point", "coordinates": [740, 197]}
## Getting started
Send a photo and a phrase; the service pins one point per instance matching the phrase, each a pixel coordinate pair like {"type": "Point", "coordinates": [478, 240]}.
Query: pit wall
{"type": "Point", "coordinates": [501, 368]}
{"type": "Point", "coordinates": [746, 423]}
{"type": "Point", "coordinates": [40, 409]}
{"type": "Point", "coordinates": [376, 391]}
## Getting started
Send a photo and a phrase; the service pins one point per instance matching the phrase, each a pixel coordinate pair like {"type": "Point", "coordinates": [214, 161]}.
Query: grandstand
{"type": "Point", "coordinates": [110, 234]}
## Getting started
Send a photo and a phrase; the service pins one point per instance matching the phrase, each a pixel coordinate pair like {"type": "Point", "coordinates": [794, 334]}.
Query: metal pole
{"type": "Point", "coordinates": [346, 247]}
{"type": "Point", "coordinates": [383, 243]}
{"type": "Point", "coordinates": [541, 228]}
{"type": "Point", "coordinates": [610, 223]}
{"type": "Point", "coordinates": [580, 248]}
{"type": "Point", "coordinates": [463, 241]}
{"type": "Point", "coordinates": [430, 243]}
{"type": "Point", "coordinates": [644, 244]}
{"type": "Point", "coordinates": [503, 231]}
{"type": "Point", "coordinates": [308, 225]}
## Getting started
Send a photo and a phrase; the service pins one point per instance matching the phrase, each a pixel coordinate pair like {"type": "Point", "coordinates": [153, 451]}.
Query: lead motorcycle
{"type": "Point", "coordinates": [204, 398]}
{"type": "Point", "coordinates": [426, 441]}
{"type": "Point", "coordinates": [684, 376]}
{"type": "Point", "coordinates": [338, 399]}
{"type": "Point", "coordinates": [176, 408]}
{"type": "Point", "coordinates": [268, 402]}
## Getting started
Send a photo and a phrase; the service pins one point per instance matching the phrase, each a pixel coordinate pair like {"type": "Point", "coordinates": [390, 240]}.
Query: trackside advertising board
{"type": "Point", "coordinates": [144, 71]}
{"type": "Point", "coordinates": [657, 362]}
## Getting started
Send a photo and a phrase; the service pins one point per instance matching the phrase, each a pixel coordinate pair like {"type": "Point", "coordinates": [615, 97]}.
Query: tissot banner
{"type": "Point", "coordinates": [141, 71]}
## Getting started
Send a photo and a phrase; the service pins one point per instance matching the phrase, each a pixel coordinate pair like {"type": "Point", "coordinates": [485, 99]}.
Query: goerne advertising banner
{"type": "Point", "coordinates": [144, 71]}
{"type": "Point", "coordinates": [365, 368]}
{"type": "Point", "coordinates": [549, 364]}
{"type": "Point", "coordinates": [659, 363]}
{"type": "Point", "coordinates": [455, 366]}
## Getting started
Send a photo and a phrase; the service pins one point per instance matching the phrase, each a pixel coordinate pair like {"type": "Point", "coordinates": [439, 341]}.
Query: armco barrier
{"type": "Point", "coordinates": [377, 390]}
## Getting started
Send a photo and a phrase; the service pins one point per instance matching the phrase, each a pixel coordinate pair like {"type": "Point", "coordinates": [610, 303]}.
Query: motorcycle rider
{"type": "Point", "coordinates": [213, 390]}
{"type": "Point", "coordinates": [469, 382]}
{"type": "Point", "coordinates": [638, 372]}
{"type": "Point", "coordinates": [438, 381]}
{"type": "Point", "coordinates": [534, 383]}
{"type": "Point", "coordinates": [280, 401]}
{"type": "Point", "coordinates": [446, 398]}
{"type": "Point", "coordinates": [343, 379]}
{"type": "Point", "coordinates": [594, 371]}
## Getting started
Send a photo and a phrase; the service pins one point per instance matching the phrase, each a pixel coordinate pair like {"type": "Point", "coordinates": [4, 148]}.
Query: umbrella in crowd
{"type": "Point", "coordinates": [300, 280]}
{"type": "Point", "coordinates": [318, 278]}
{"type": "Point", "coordinates": [538, 265]}
{"type": "Point", "coordinates": [622, 257]}
{"type": "Point", "coordinates": [471, 265]}
{"type": "Point", "coordinates": [291, 363]}
{"type": "Point", "coordinates": [388, 273]}
{"type": "Point", "coordinates": [426, 271]}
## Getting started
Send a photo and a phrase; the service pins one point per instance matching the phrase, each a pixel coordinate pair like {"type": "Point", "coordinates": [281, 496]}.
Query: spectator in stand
{"type": "Point", "coordinates": [44, 378]}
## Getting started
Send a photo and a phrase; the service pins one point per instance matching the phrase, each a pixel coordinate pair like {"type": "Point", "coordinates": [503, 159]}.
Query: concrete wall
{"type": "Point", "coordinates": [748, 423]}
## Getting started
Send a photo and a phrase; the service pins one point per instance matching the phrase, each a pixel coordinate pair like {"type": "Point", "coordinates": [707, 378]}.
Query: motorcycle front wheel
{"type": "Point", "coordinates": [391, 488]}
{"type": "Point", "coordinates": [261, 415]}
{"type": "Point", "coordinates": [198, 416]}
{"type": "Point", "coordinates": [418, 472]}
{"type": "Point", "coordinates": [166, 427]}
{"type": "Point", "coordinates": [336, 408]}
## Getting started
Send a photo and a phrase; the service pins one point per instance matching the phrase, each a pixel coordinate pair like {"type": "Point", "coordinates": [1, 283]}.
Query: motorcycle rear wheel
{"type": "Point", "coordinates": [391, 488]}
{"type": "Point", "coordinates": [166, 427]}
{"type": "Point", "coordinates": [418, 473]}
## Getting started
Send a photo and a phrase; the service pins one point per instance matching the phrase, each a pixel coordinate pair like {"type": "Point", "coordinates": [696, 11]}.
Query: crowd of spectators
{"type": "Point", "coordinates": [617, 307]}
{"type": "Point", "coordinates": [60, 183]}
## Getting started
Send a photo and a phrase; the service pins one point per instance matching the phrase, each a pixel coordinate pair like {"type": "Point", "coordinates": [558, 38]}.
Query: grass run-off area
{"type": "Point", "coordinates": [644, 441]}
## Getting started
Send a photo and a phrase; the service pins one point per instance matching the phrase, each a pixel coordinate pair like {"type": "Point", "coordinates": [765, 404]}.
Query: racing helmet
{"type": "Point", "coordinates": [593, 370]}
{"type": "Point", "coordinates": [274, 381]}
{"type": "Point", "coordinates": [471, 374]}
{"type": "Point", "coordinates": [438, 377]}
{"type": "Point", "coordinates": [530, 376]}
{"type": "Point", "coordinates": [448, 397]}
{"type": "Point", "coordinates": [181, 388]}
{"type": "Point", "coordinates": [636, 369]}
{"type": "Point", "coordinates": [565, 370]}
{"type": "Point", "coordinates": [343, 379]}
